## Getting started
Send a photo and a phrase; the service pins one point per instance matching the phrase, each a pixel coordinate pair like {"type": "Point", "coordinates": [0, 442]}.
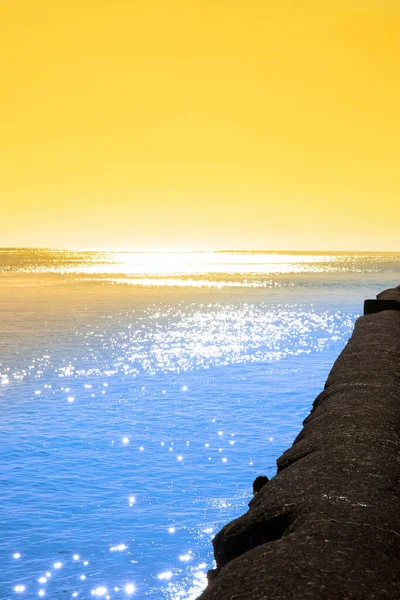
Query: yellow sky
{"type": "Point", "coordinates": [209, 123]}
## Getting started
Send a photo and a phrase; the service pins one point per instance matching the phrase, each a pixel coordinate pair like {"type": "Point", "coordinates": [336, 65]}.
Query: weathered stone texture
{"type": "Point", "coordinates": [390, 294]}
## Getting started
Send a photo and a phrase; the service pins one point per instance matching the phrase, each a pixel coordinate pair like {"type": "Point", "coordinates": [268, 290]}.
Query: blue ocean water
{"type": "Point", "coordinates": [141, 394]}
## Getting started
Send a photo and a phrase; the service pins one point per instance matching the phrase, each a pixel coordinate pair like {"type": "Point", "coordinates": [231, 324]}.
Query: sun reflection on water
{"type": "Point", "coordinates": [182, 268]}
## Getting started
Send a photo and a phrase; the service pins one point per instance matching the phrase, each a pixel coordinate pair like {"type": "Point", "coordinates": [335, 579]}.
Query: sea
{"type": "Point", "coordinates": [140, 395]}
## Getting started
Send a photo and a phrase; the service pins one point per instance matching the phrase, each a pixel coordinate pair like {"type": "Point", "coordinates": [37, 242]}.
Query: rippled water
{"type": "Point", "coordinates": [141, 393]}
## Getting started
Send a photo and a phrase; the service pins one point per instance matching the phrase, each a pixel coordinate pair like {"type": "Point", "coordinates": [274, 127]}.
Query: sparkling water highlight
{"type": "Point", "coordinates": [140, 395]}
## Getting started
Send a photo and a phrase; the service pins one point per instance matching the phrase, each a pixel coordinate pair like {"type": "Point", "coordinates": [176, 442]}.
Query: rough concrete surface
{"type": "Point", "coordinates": [328, 524]}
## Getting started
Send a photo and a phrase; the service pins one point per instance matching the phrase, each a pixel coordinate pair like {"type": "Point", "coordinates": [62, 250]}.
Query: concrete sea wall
{"type": "Point", "coordinates": [328, 524]}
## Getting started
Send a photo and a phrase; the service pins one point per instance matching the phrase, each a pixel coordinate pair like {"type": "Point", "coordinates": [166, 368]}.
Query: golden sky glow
{"type": "Point", "coordinates": [208, 123]}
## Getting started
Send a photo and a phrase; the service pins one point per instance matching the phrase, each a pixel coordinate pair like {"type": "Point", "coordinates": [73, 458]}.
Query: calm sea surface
{"type": "Point", "coordinates": [141, 394]}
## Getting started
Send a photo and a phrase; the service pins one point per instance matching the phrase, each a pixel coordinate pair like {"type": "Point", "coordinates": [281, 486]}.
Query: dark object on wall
{"type": "Point", "coordinates": [259, 483]}
{"type": "Point", "coordinates": [375, 306]}
{"type": "Point", "coordinates": [386, 300]}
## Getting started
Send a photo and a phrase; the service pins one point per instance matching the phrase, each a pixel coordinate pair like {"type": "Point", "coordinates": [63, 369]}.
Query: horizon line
{"type": "Point", "coordinates": [146, 250]}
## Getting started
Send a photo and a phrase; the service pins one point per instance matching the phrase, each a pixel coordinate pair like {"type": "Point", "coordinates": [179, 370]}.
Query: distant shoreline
{"type": "Point", "coordinates": [200, 251]}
